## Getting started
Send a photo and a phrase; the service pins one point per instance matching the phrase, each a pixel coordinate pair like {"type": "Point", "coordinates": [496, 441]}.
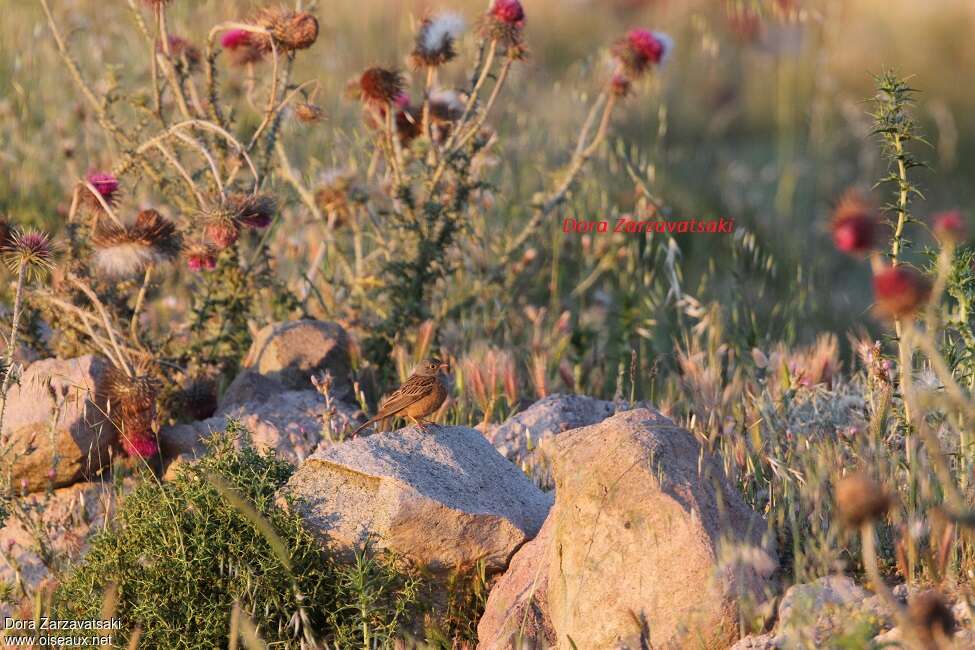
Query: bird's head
{"type": "Point", "coordinates": [430, 367]}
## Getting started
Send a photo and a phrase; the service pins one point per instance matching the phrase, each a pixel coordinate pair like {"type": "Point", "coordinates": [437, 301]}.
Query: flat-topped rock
{"type": "Point", "coordinates": [444, 499]}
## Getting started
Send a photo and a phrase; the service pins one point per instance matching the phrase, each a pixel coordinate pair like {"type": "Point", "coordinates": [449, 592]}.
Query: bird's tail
{"type": "Point", "coordinates": [364, 425]}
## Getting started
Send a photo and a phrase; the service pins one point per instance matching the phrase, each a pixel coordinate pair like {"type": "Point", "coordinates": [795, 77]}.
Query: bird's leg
{"type": "Point", "coordinates": [421, 424]}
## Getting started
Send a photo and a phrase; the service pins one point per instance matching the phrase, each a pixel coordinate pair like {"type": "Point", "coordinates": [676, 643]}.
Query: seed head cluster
{"type": "Point", "coordinates": [131, 406]}
{"type": "Point", "coordinates": [31, 250]}
{"type": "Point", "coordinates": [122, 251]}
{"type": "Point", "coordinates": [860, 499]}
{"type": "Point", "coordinates": [290, 30]}
{"type": "Point", "coordinates": [436, 39]}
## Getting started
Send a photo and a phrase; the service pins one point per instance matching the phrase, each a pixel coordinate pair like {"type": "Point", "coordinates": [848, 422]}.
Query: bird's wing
{"type": "Point", "coordinates": [414, 389]}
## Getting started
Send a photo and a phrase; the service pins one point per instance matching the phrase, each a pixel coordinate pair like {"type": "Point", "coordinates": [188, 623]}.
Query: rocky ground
{"type": "Point", "coordinates": [643, 543]}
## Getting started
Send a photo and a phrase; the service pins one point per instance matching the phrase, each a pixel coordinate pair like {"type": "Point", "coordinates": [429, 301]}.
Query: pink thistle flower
{"type": "Point", "coordinates": [142, 445]}
{"type": "Point", "coordinates": [504, 23]}
{"type": "Point", "coordinates": [31, 250]}
{"type": "Point", "coordinates": [854, 225]}
{"type": "Point", "coordinates": [242, 47]}
{"type": "Point", "coordinates": [900, 291]}
{"type": "Point", "coordinates": [200, 257]}
{"type": "Point", "coordinates": [641, 49]}
{"type": "Point", "coordinates": [508, 11]}
{"type": "Point", "coordinates": [235, 38]}
{"type": "Point", "coordinates": [105, 184]}
{"type": "Point", "coordinates": [950, 226]}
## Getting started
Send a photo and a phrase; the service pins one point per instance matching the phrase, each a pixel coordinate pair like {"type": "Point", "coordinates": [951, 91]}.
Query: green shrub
{"type": "Point", "coordinates": [181, 553]}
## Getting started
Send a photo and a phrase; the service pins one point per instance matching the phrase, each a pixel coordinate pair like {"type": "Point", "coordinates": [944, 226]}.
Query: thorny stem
{"type": "Point", "coordinates": [106, 321]}
{"type": "Point", "coordinates": [12, 343]}
{"type": "Point", "coordinates": [492, 99]}
{"type": "Point", "coordinates": [462, 122]}
{"type": "Point", "coordinates": [427, 89]}
{"type": "Point", "coordinates": [272, 98]}
{"type": "Point", "coordinates": [895, 250]}
{"type": "Point", "coordinates": [392, 145]}
{"type": "Point", "coordinates": [139, 300]}
{"type": "Point", "coordinates": [100, 113]}
{"type": "Point", "coordinates": [168, 66]}
{"type": "Point", "coordinates": [183, 173]}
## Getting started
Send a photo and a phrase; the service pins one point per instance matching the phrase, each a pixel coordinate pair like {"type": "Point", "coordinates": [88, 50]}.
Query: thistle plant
{"type": "Point", "coordinates": [897, 131]}
{"type": "Point", "coordinates": [29, 255]}
{"type": "Point", "coordinates": [207, 178]}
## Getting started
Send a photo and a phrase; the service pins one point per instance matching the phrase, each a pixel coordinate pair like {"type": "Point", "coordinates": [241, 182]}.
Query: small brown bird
{"type": "Point", "coordinates": [421, 395]}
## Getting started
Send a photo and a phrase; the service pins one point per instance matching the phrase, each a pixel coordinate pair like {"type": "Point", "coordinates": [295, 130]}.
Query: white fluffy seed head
{"type": "Point", "coordinates": [448, 98]}
{"type": "Point", "coordinates": [442, 31]}
{"type": "Point", "coordinates": [125, 259]}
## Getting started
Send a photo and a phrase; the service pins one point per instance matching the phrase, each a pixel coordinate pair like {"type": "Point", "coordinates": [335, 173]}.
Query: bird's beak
{"type": "Point", "coordinates": [445, 367]}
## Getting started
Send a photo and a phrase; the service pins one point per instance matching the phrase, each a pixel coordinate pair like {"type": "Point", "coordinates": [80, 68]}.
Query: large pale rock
{"type": "Point", "coordinates": [444, 499]}
{"type": "Point", "coordinates": [528, 438]}
{"type": "Point", "coordinates": [648, 539]}
{"type": "Point", "coordinates": [545, 419]}
{"type": "Point", "coordinates": [59, 434]}
{"type": "Point", "coordinates": [61, 522]}
{"type": "Point", "coordinates": [291, 352]}
{"type": "Point", "coordinates": [516, 612]}
{"type": "Point", "coordinates": [291, 423]}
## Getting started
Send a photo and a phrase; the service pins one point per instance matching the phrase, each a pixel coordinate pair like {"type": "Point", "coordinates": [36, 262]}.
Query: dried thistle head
{"type": "Point", "coordinates": [130, 402]}
{"type": "Point", "coordinates": [641, 49]}
{"type": "Point", "coordinates": [107, 187]}
{"type": "Point", "coordinates": [201, 257]}
{"type": "Point", "coordinates": [436, 39]}
{"type": "Point", "coordinates": [30, 250]}
{"type": "Point", "coordinates": [290, 30]}
{"type": "Point", "coordinates": [408, 124]}
{"type": "Point", "coordinates": [241, 45]}
{"type": "Point", "coordinates": [445, 106]}
{"type": "Point", "coordinates": [127, 250]}
{"type": "Point", "coordinates": [199, 399]}
{"type": "Point", "coordinates": [932, 618]}
{"type": "Point", "coordinates": [378, 86]}
{"type": "Point", "coordinates": [860, 499]}
{"type": "Point", "coordinates": [900, 291]}
{"type": "Point", "coordinates": [855, 224]}
{"type": "Point", "coordinates": [221, 229]}
{"type": "Point", "coordinates": [252, 210]}
{"type": "Point", "coordinates": [336, 194]}
{"type": "Point", "coordinates": [308, 113]}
